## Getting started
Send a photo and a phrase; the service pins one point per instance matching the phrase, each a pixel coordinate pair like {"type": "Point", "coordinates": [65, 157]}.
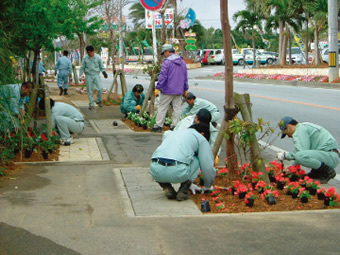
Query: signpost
{"type": "Point", "coordinates": [153, 5]}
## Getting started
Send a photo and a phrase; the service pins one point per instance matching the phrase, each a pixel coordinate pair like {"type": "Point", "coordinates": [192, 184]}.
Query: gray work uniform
{"type": "Point", "coordinates": [200, 104]}
{"type": "Point", "coordinates": [64, 67]}
{"type": "Point", "coordinates": [313, 145]}
{"type": "Point", "coordinates": [92, 68]}
{"type": "Point", "coordinates": [190, 152]}
{"type": "Point", "coordinates": [67, 119]}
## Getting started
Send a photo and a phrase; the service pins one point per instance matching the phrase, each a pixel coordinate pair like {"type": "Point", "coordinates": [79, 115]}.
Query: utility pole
{"type": "Point", "coordinates": [154, 38]}
{"type": "Point", "coordinates": [333, 61]}
{"type": "Point", "coordinates": [121, 53]}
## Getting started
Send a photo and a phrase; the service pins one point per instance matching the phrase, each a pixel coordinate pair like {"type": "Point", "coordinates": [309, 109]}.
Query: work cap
{"type": "Point", "coordinates": [204, 116]}
{"type": "Point", "coordinates": [283, 124]}
{"type": "Point", "coordinates": [190, 96]}
{"type": "Point", "coordinates": [166, 47]}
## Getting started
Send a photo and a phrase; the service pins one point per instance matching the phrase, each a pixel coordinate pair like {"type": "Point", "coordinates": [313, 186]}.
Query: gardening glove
{"type": "Point", "coordinates": [138, 107]}
{"type": "Point", "coordinates": [185, 93]}
{"type": "Point", "coordinates": [193, 188]}
{"type": "Point", "coordinates": [280, 156]}
{"type": "Point", "coordinates": [216, 160]}
{"type": "Point", "coordinates": [105, 74]}
{"type": "Point", "coordinates": [207, 189]}
{"type": "Point", "coordinates": [156, 92]}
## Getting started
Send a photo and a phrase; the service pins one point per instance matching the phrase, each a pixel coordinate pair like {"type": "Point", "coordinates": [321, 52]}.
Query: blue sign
{"type": "Point", "coordinates": [152, 5]}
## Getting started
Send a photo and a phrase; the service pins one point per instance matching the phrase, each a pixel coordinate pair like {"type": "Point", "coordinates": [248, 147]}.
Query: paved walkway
{"type": "Point", "coordinates": [101, 199]}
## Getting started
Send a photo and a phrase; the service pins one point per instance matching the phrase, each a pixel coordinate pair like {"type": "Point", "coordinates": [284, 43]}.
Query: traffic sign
{"type": "Point", "coordinates": [191, 47]}
{"type": "Point", "coordinates": [152, 5]}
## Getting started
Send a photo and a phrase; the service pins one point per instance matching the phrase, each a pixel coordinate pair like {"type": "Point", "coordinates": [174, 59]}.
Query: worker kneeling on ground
{"type": "Point", "coordinates": [179, 159]}
{"type": "Point", "coordinates": [66, 118]}
{"type": "Point", "coordinates": [195, 104]}
{"type": "Point", "coordinates": [133, 100]}
{"type": "Point", "coordinates": [315, 148]}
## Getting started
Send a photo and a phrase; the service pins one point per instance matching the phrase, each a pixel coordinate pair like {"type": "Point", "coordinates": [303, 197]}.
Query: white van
{"type": "Point", "coordinates": [298, 57]}
{"type": "Point", "coordinates": [216, 57]}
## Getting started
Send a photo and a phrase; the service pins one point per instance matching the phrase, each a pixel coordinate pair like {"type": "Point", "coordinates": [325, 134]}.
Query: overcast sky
{"type": "Point", "coordinates": [207, 11]}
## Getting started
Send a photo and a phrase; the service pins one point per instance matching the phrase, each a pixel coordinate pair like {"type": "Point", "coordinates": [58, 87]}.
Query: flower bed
{"type": "Point", "coordinates": [281, 77]}
{"type": "Point", "coordinates": [236, 195]}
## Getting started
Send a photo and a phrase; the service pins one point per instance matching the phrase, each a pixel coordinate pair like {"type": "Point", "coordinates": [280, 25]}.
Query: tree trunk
{"type": "Point", "coordinates": [306, 45]}
{"type": "Point", "coordinates": [282, 49]}
{"type": "Point", "coordinates": [254, 50]}
{"type": "Point", "coordinates": [75, 75]}
{"type": "Point", "coordinates": [290, 49]}
{"type": "Point", "coordinates": [81, 45]}
{"type": "Point", "coordinates": [229, 108]}
{"type": "Point", "coordinates": [316, 54]}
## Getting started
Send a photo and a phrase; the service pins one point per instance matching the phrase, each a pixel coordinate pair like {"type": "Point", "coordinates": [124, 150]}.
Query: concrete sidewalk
{"type": "Point", "coordinates": [102, 200]}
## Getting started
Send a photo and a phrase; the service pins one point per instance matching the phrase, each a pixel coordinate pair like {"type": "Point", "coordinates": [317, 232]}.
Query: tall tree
{"type": "Point", "coordinates": [137, 14]}
{"type": "Point", "coordinates": [247, 21]}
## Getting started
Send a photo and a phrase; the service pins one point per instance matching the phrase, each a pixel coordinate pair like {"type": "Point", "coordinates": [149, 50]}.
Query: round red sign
{"type": "Point", "coordinates": [152, 5]}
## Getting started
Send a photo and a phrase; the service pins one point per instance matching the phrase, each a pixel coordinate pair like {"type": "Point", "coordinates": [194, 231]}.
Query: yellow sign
{"type": "Point", "coordinates": [332, 59]}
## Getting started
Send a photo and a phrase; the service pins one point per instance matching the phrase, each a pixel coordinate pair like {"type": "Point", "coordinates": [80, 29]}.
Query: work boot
{"type": "Point", "coordinates": [99, 104]}
{"type": "Point", "coordinates": [61, 91]}
{"type": "Point", "coordinates": [327, 173]}
{"type": "Point", "coordinates": [183, 192]}
{"type": "Point", "coordinates": [314, 174]}
{"type": "Point", "coordinates": [65, 92]}
{"type": "Point", "coordinates": [156, 129]}
{"type": "Point", "coordinates": [168, 190]}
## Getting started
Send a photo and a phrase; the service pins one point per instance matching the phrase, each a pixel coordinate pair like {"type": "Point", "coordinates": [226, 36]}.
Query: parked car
{"type": "Point", "coordinates": [247, 57]}
{"type": "Point", "coordinates": [298, 57]}
{"type": "Point", "coordinates": [271, 53]}
{"type": "Point", "coordinates": [325, 57]}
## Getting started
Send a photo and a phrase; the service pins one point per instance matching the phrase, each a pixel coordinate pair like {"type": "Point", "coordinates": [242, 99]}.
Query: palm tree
{"type": "Point", "coordinates": [319, 8]}
{"type": "Point", "coordinates": [137, 14]}
{"type": "Point", "coordinates": [284, 12]}
{"type": "Point", "coordinates": [247, 22]}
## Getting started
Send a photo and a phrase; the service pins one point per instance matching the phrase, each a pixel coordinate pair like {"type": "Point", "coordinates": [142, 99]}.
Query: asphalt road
{"type": "Point", "coordinates": [270, 101]}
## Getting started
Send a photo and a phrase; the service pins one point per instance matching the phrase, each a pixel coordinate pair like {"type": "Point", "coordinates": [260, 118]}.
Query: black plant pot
{"type": "Point", "coordinates": [253, 184]}
{"type": "Point", "coordinates": [321, 196]}
{"type": "Point", "coordinates": [293, 178]}
{"type": "Point", "coordinates": [233, 190]}
{"type": "Point", "coordinates": [326, 201]}
{"type": "Point", "coordinates": [241, 195]}
{"type": "Point", "coordinates": [50, 151]}
{"type": "Point", "coordinates": [280, 185]}
{"type": "Point", "coordinates": [250, 202]}
{"type": "Point", "coordinates": [28, 153]}
{"type": "Point", "coordinates": [272, 178]}
{"type": "Point", "coordinates": [145, 127]}
{"type": "Point", "coordinates": [289, 193]}
{"type": "Point", "coordinates": [205, 207]}
{"type": "Point", "coordinates": [304, 200]}
{"type": "Point", "coordinates": [271, 200]}
{"type": "Point", "coordinates": [294, 195]}
{"type": "Point", "coordinates": [45, 154]}
{"type": "Point", "coordinates": [16, 150]}
{"type": "Point", "coordinates": [201, 182]}
{"type": "Point", "coordinates": [312, 191]}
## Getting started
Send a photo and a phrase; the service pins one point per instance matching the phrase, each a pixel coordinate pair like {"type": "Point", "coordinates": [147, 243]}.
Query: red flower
{"type": "Point", "coordinates": [54, 133]}
{"type": "Point", "coordinates": [43, 137]}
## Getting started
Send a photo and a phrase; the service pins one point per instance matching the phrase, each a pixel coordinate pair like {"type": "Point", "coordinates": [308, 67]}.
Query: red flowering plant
{"type": "Point", "coordinates": [54, 141]}
{"type": "Point", "coordinates": [234, 186]}
{"type": "Point", "coordinates": [260, 186]}
{"type": "Point", "coordinates": [215, 192]}
{"type": "Point", "coordinates": [220, 206]}
{"type": "Point", "coordinates": [222, 172]}
{"type": "Point", "coordinates": [293, 187]}
{"type": "Point", "coordinates": [244, 170]}
{"type": "Point", "coordinates": [303, 182]}
{"type": "Point", "coordinates": [269, 193]}
{"type": "Point", "coordinates": [303, 193]}
{"type": "Point", "coordinates": [249, 196]}
{"type": "Point", "coordinates": [217, 199]}
{"type": "Point", "coordinates": [241, 191]}
{"type": "Point", "coordinates": [274, 168]}
{"type": "Point", "coordinates": [321, 193]}
{"type": "Point", "coordinates": [332, 196]}
{"type": "Point", "coordinates": [44, 142]}
{"type": "Point", "coordinates": [255, 177]}
{"type": "Point", "coordinates": [295, 173]}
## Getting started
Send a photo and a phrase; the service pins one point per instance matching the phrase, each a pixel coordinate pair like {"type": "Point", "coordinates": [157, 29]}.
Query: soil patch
{"type": "Point", "coordinates": [233, 204]}
{"type": "Point", "coordinates": [135, 128]}
{"type": "Point", "coordinates": [36, 156]}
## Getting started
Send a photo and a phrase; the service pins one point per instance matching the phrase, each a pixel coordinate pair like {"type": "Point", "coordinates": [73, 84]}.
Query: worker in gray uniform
{"type": "Point", "coordinates": [315, 148]}
{"type": "Point", "coordinates": [66, 118]}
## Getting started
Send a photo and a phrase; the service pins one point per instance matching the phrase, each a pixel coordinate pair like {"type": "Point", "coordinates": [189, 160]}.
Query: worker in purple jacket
{"type": "Point", "coordinates": [173, 84]}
